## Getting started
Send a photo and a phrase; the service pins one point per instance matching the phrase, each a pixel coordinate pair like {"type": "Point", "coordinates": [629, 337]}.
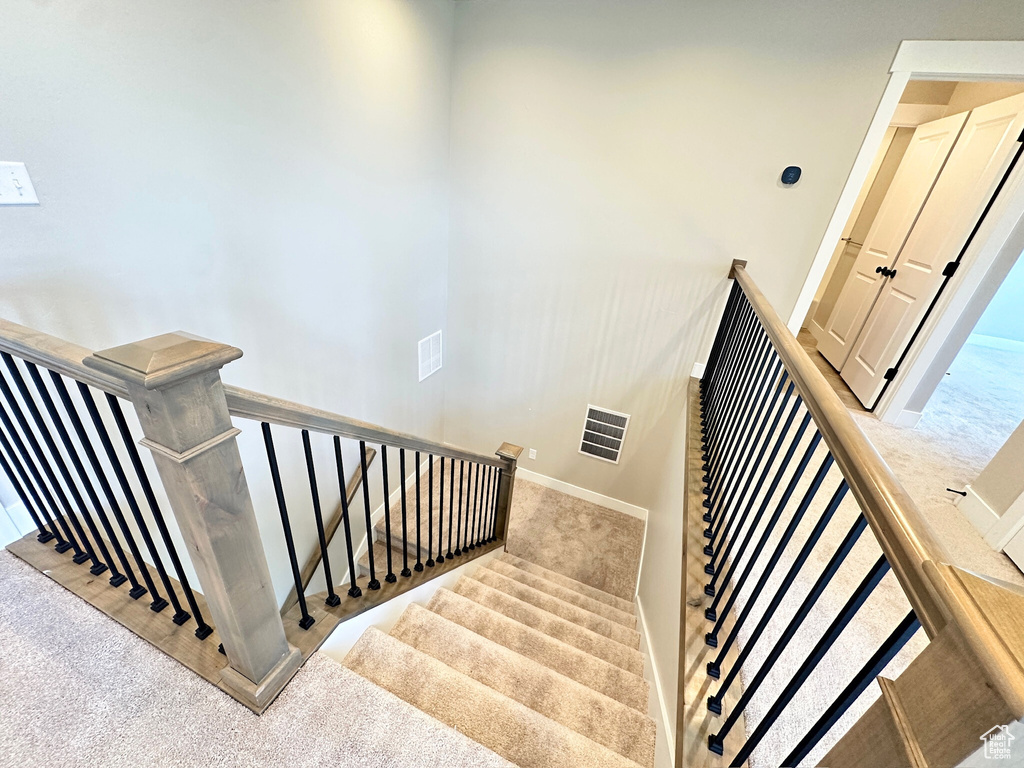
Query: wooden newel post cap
{"type": "Point", "coordinates": [164, 360]}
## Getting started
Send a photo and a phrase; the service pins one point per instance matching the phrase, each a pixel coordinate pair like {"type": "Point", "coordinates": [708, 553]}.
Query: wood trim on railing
{"type": "Point", "coordinates": [902, 531]}
{"type": "Point", "coordinates": [253, 405]}
{"type": "Point", "coordinates": [331, 527]}
{"type": "Point", "coordinates": [66, 358]}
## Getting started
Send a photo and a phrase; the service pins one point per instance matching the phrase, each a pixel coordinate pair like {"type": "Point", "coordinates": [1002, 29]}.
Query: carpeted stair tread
{"type": "Point", "coordinates": [584, 710]}
{"type": "Point", "coordinates": [586, 669]}
{"type": "Point", "coordinates": [380, 563]}
{"type": "Point", "coordinates": [510, 729]}
{"type": "Point", "coordinates": [585, 589]}
{"type": "Point", "coordinates": [549, 624]}
{"type": "Point", "coordinates": [567, 611]}
{"type": "Point", "coordinates": [627, 620]}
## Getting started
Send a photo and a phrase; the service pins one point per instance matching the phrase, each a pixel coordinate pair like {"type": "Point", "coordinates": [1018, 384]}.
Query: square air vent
{"type": "Point", "coordinates": [430, 355]}
{"type": "Point", "coordinates": [603, 433]}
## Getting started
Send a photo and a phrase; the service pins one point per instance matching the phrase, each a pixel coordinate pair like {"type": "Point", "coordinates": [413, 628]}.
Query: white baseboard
{"type": "Point", "coordinates": [907, 419]}
{"type": "Point", "coordinates": [698, 370]}
{"type": "Point", "coordinates": [583, 493]}
{"type": "Point", "coordinates": [980, 514]}
{"type": "Point", "coordinates": [994, 342]}
{"type": "Point", "coordinates": [660, 711]}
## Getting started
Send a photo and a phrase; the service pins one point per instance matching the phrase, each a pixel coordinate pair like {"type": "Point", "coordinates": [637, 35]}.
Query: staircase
{"type": "Point", "coordinates": [539, 668]}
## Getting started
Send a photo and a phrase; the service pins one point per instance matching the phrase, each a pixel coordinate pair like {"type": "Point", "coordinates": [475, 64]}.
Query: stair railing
{"type": "Point", "coordinates": [780, 453]}
{"type": "Point", "coordinates": [48, 449]}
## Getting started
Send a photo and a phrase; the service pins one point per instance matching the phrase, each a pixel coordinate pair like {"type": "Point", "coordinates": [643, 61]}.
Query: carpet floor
{"type": "Point", "coordinates": [80, 690]}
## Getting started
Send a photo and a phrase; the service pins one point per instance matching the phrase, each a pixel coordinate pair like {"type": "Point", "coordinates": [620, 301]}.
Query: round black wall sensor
{"type": "Point", "coordinates": [791, 175]}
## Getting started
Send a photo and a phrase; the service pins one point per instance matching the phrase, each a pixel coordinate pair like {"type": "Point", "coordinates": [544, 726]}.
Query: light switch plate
{"type": "Point", "coordinates": [15, 185]}
{"type": "Point", "coordinates": [533, 453]}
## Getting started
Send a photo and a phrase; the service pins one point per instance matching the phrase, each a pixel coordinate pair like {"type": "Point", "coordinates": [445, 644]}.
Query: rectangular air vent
{"type": "Point", "coordinates": [430, 355]}
{"type": "Point", "coordinates": [603, 433]}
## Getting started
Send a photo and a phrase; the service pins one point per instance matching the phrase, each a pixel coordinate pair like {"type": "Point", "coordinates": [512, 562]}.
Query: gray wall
{"type": "Point", "coordinates": [273, 175]}
{"type": "Point", "coordinates": [1004, 316]}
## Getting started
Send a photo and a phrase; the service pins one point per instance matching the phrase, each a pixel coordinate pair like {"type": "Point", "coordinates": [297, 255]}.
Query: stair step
{"type": "Point", "coordinates": [403, 735]}
{"type": "Point", "coordinates": [514, 731]}
{"type": "Point", "coordinates": [567, 611]}
{"type": "Point", "coordinates": [554, 626]}
{"type": "Point", "coordinates": [627, 620]}
{"type": "Point", "coordinates": [597, 674]}
{"type": "Point", "coordinates": [589, 713]}
{"type": "Point", "coordinates": [585, 589]}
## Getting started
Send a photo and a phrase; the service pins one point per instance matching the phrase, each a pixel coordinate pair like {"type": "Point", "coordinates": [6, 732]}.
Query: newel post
{"type": "Point", "coordinates": [510, 453]}
{"type": "Point", "coordinates": [174, 383]}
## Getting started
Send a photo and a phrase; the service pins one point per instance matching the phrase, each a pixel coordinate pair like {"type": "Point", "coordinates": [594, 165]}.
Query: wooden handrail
{"type": "Point", "coordinates": [902, 531]}
{"type": "Point", "coordinates": [253, 405]}
{"type": "Point", "coordinates": [330, 528]}
{"type": "Point", "coordinates": [67, 358]}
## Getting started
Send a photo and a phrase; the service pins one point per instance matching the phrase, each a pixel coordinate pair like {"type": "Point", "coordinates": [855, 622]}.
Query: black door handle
{"type": "Point", "coordinates": [885, 272]}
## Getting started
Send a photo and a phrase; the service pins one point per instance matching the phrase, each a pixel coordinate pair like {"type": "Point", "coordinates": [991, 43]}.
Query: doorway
{"type": "Point", "coordinates": [929, 199]}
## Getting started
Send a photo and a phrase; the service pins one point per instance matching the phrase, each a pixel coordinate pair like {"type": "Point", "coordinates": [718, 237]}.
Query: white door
{"type": "Point", "coordinates": [914, 179]}
{"type": "Point", "coordinates": [978, 161]}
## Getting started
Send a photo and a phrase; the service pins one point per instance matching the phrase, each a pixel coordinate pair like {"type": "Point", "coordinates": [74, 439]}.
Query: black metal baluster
{"type": "Point", "coordinates": [44, 535]}
{"type": "Point", "coordinates": [180, 616]}
{"type": "Point", "coordinates": [440, 517]}
{"type": "Point", "coordinates": [458, 519]}
{"type": "Point", "coordinates": [25, 486]}
{"type": "Point", "coordinates": [476, 504]}
{"type": "Point", "coordinates": [732, 374]}
{"type": "Point", "coordinates": [728, 332]}
{"type": "Point", "coordinates": [147, 490]}
{"type": "Point", "coordinates": [834, 563]}
{"type": "Point", "coordinates": [772, 521]}
{"type": "Point", "coordinates": [714, 667]}
{"type": "Point", "coordinates": [709, 588]}
{"type": "Point", "coordinates": [881, 658]}
{"type": "Point", "coordinates": [56, 521]}
{"type": "Point", "coordinates": [314, 492]}
{"type": "Point", "coordinates": [373, 583]}
{"type": "Point", "coordinates": [405, 533]}
{"type": "Point", "coordinates": [390, 577]}
{"type": "Point", "coordinates": [825, 642]}
{"type": "Point", "coordinates": [733, 467]}
{"type": "Point", "coordinates": [723, 432]}
{"type": "Point", "coordinates": [354, 590]}
{"type": "Point", "coordinates": [745, 501]}
{"type": "Point", "coordinates": [451, 506]}
{"type": "Point", "coordinates": [740, 448]}
{"type": "Point", "coordinates": [430, 512]}
{"type": "Point", "coordinates": [116, 578]}
{"type": "Point", "coordinates": [714, 703]}
{"type": "Point", "coordinates": [83, 550]}
{"type": "Point", "coordinates": [419, 556]}
{"type": "Point", "coordinates": [716, 348]}
{"type": "Point", "coordinates": [763, 437]}
{"type": "Point", "coordinates": [275, 473]}
{"type": "Point", "coordinates": [158, 603]}
{"type": "Point", "coordinates": [741, 402]}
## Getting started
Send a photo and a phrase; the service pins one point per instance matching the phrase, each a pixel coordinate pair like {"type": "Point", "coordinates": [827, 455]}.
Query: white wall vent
{"type": "Point", "coordinates": [430, 355]}
{"type": "Point", "coordinates": [603, 433]}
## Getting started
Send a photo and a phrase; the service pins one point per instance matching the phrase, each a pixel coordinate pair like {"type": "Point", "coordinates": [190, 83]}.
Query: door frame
{"type": "Point", "coordinates": [921, 60]}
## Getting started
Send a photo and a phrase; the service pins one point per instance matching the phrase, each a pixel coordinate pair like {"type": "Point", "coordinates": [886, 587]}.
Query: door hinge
{"type": "Point", "coordinates": [950, 268]}
{"type": "Point", "coordinates": [890, 374]}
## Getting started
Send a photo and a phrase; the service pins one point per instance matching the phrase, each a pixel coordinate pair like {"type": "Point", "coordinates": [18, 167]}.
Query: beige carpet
{"type": "Point", "coordinates": [586, 542]}
{"type": "Point", "coordinates": [77, 689]}
{"type": "Point", "coordinates": [520, 670]}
